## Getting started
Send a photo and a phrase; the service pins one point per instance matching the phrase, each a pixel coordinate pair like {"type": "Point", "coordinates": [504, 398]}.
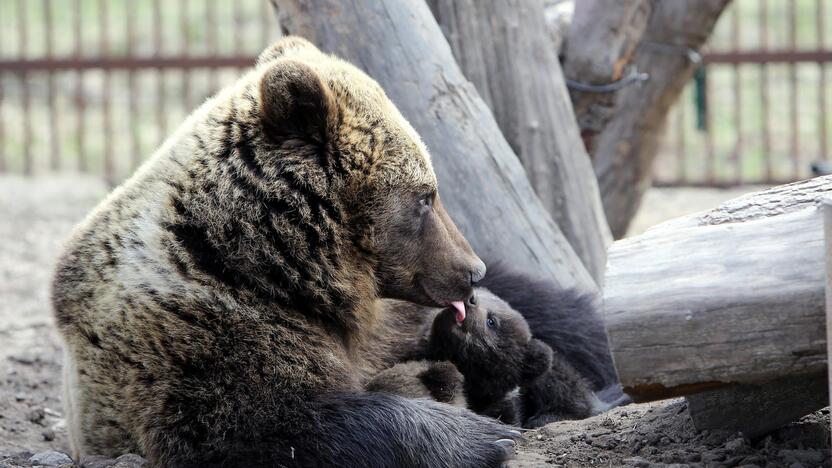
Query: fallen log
{"type": "Point", "coordinates": [732, 295]}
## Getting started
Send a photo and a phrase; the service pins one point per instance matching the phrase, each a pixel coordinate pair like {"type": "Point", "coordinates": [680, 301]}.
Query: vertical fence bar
{"type": "Point", "coordinates": [132, 107]}
{"type": "Point", "coordinates": [793, 101]}
{"type": "Point", "coordinates": [764, 101]}
{"type": "Point", "coordinates": [211, 37]}
{"type": "Point", "coordinates": [80, 102]}
{"type": "Point", "coordinates": [237, 29]}
{"type": "Point", "coordinates": [681, 150]}
{"type": "Point", "coordinates": [106, 124]}
{"type": "Point", "coordinates": [821, 39]}
{"type": "Point", "coordinates": [24, 86]}
{"type": "Point", "coordinates": [3, 164]}
{"type": "Point", "coordinates": [161, 118]}
{"type": "Point", "coordinates": [185, 40]}
{"type": "Point", "coordinates": [710, 163]}
{"type": "Point", "coordinates": [738, 142]}
{"type": "Point", "coordinates": [54, 144]}
{"type": "Point", "coordinates": [265, 12]}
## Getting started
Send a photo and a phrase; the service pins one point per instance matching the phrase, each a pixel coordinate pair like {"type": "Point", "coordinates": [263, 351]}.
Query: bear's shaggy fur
{"type": "Point", "coordinates": [439, 380]}
{"type": "Point", "coordinates": [213, 307]}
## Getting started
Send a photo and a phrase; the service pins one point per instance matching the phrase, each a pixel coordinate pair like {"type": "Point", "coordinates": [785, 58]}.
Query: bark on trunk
{"type": "Point", "coordinates": [624, 151]}
{"type": "Point", "coordinates": [601, 41]}
{"type": "Point", "coordinates": [482, 183]}
{"type": "Point", "coordinates": [733, 295]}
{"type": "Point", "coordinates": [504, 49]}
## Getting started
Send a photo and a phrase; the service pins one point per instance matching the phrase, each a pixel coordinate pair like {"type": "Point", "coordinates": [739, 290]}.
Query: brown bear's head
{"type": "Point", "coordinates": [492, 347]}
{"type": "Point", "coordinates": [378, 168]}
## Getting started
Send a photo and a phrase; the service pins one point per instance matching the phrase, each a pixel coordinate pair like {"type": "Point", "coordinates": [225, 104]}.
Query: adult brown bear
{"type": "Point", "coordinates": [212, 307]}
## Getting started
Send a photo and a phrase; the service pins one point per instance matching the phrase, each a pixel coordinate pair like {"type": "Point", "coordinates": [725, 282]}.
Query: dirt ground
{"type": "Point", "coordinates": [38, 214]}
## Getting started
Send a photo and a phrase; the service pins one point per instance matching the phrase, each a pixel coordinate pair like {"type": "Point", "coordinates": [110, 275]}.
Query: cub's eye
{"type": "Point", "coordinates": [491, 323]}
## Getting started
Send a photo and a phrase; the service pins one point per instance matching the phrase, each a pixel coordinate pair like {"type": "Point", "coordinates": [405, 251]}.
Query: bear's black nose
{"type": "Point", "coordinates": [478, 272]}
{"type": "Point", "coordinates": [472, 301]}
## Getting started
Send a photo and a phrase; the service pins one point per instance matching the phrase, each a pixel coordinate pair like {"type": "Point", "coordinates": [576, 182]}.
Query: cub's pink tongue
{"type": "Point", "coordinates": [460, 311]}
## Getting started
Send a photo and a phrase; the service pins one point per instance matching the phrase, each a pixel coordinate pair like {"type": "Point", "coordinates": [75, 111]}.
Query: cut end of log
{"type": "Point", "coordinates": [655, 391]}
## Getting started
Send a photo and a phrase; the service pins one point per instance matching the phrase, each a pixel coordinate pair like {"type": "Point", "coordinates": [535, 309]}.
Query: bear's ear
{"type": "Point", "coordinates": [283, 46]}
{"type": "Point", "coordinates": [296, 102]}
{"type": "Point", "coordinates": [536, 361]}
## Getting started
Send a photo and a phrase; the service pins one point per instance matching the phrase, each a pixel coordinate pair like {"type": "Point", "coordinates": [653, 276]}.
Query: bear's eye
{"type": "Point", "coordinates": [492, 324]}
{"type": "Point", "coordinates": [426, 201]}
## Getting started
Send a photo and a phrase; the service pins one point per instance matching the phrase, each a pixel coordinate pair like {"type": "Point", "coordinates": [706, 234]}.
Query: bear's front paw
{"type": "Point", "coordinates": [444, 382]}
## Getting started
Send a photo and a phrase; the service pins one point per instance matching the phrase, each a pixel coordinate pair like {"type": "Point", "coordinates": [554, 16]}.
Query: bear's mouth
{"type": "Point", "coordinates": [457, 306]}
{"type": "Point", "coordinates": [454, 320]}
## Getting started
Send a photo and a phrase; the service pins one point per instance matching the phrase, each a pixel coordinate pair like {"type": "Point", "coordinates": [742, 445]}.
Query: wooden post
{"type": "Point", "coordinates": [504, 48]}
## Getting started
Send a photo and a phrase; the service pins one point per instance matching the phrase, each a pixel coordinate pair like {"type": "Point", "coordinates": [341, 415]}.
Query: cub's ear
{"type": "Point", "coordinates": [296, 102]}
{"type": "Point", "coordinates": [536, 361]}
{"type": "Point", "coordinates": [283, 46]}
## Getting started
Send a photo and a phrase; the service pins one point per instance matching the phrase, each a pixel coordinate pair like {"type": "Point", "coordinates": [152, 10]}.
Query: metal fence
{"type": "Point", "coordinates": [95, 85]}
{"type": "Point", "coordinates": [757, 111]}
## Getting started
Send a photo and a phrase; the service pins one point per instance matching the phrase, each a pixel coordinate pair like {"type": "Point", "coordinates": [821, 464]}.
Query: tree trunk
{"type": "Point", "coordinates": [624, 151]}
{"type": "Point", "coordinates": [601, 42]}
{"type": "Point", "coordinates": [504, 49]}
{"type": "Point", "coordinates": [733, 295]}
{"type": "Point", "coordinates": [482, 183]}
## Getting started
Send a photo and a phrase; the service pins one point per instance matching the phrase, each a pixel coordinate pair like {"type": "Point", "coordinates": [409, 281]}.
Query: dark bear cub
{"type": "Point", "coordinates": [494, 350]}
{"type": "Point", "coordinates": [567, 320]}
{"type": "Point", "coordinates": [508, 375]}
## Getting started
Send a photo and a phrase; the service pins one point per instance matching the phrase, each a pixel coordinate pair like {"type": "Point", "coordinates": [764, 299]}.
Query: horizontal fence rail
{"type": "Point", "coordinates": [761, 57]}
{"type": "Point", "coordinates": [123, 63]}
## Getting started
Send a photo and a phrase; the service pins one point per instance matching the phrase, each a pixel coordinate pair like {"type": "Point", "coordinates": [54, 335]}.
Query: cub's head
{"type": "Point", "coordinates": [492, 346]}
{"type": "Point", "coordinates": [375, 166]}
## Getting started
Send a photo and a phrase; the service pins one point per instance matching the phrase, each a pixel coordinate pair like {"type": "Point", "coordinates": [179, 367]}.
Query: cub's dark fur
{"type": "Point", "coordinates": [566, 320]}
{"type": "Point", "coordinates": [494, 350]}
{"type": "Point", "coordinates": [217, 308]}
